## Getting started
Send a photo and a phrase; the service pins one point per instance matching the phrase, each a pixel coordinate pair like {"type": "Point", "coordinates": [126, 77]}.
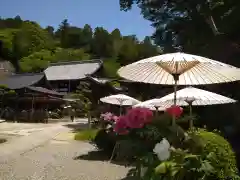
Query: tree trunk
{"type": "Point", "coordinates": [89, 119]}
{"type": "Point", "coordinates": [210, 21]}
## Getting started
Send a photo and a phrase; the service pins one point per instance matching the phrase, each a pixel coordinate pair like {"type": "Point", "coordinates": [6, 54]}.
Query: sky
{"type": "Point", "coordinates": [105, 13]}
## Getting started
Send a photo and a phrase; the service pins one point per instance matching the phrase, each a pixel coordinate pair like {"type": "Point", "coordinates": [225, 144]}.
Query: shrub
{"type": "Point", "coordinates": [87, 135]}
{"type": "Point", "coordinates": [130, 150]}
{"type": "Point", "coordinates": [224, 161]}
{"type": "Point", "coordinates": [54, 115]}
{"type": "Point", "coordinates": [105, 140]}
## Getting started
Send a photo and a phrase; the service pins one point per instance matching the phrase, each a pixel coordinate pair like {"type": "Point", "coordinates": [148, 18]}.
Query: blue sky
{"type": "Point", "coordinates": [105, 13]}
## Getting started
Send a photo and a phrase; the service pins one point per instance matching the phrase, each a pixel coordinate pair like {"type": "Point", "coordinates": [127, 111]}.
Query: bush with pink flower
{"type": "Point", "coordinates": [138, 130]}
{"type": "Point", "coordinates": [135, 118]}
{"type": "Point", "coordinates": [135, 128]}
{"type": "Point", "coordinates": [108, 119]}
{"type": "Point", "coordinates": [160, 149]}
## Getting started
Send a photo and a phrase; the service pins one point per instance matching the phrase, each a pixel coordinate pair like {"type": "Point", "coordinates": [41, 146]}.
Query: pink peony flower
{"type": "Point", "coordinates": [175, 111]}
{"type": "Point", "coordinates": [115, 118]}
{"type": "Point", "coordinates": [138, 117]}
{"type": "Point", "coordinates": [147, 114]}
{"type": "Point", "coordinates": [107, 116]}
{"type": "Point", "coordinates": [121, 126]}
{"type": "Point", "coordinates": [134, 119]}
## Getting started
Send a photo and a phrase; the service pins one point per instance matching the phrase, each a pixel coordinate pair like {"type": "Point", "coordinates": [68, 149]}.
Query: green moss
{"type": "Point", "coordinates": [86, 135]}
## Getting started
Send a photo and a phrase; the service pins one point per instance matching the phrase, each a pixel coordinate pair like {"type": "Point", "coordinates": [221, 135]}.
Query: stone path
{"type": "Point", "coordinates": [54, 159]}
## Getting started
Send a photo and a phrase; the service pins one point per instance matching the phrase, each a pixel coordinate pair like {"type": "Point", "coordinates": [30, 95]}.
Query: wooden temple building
{"type": "Point", "coordinates": [31, 94]}
{"type": "Point", "coordinates": [65, 76]}
{"type": "Point", "coordinates": [38, 92]}
{"type": "Point", "coordinates": [46, 91]}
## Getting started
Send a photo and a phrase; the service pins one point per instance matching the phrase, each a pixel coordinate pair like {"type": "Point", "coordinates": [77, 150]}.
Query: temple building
{"type": "Point", "coordinates": [66, 76]}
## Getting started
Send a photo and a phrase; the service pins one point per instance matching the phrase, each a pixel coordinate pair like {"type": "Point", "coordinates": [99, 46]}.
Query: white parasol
{"type": "Point", "coordinates": [145, 105]}
{"type": "Point", "coordinates": [191, 96]}
{"type": "Point", "coordinates": [120, 99]}
{"type": "Point", "coordinates": [190, 69]}
{"type": "Point", "coordinates": [179, 69]}
{"type": "Point", "coordinates": [150, 104]}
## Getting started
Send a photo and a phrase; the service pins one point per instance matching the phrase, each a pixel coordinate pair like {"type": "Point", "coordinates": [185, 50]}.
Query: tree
{"type": "Point", "coordinates": [13, 23]}
{"type": "Point", "coordinates": [86, 38]}
{"type": "Point", "coordinates": [116, 34]}
{"type": "Point", "coordinates": [128, 51]}
{"type": "Point", "coordinates": [116, 41]}
{"type": "Point", "coordinates": [74, 37]}
{"type": "Point", "coordinates": [84, 100]}
{"type": "Point", "coordinates": [63, 33]}
{"type": "Point", "coordinates": [50, 30]}
{"type": "Point", "coordinates": [30, 38]}
{"type": "Point", "coordinates": [35, 47]}
{"type": "Point", "coordinates": [38, 61]}
{"type": "Point", "coordinates": [110, 67]}
{"type": "Point", "coordinates": [189, 25]}
{"type": "Point", "coordinates": [101, 43]}
{"type": "Point", "coordinates": [70, 55]}
{"type": "Point", "coordinates": [147, 49]}
{"type": "Point", "coordinates": [6, 39]}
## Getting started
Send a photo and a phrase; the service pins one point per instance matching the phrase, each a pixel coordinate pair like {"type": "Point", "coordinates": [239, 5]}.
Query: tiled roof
{"type": "Point", "coordinates": [19, 81]}
{"type": "Point", "coordinates": [72, 70]}
{"type": "Point", "coordinates": [44, 90]}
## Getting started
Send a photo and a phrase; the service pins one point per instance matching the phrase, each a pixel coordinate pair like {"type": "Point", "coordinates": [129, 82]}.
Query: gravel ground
{"type": "Point", "coordinates": [56, 160]}
{"type": "Point", "coordinates": [9, 126]}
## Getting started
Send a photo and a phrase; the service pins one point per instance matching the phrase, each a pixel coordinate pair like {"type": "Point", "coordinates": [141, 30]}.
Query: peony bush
{"type": "Point", "coordinates": [160, 150]}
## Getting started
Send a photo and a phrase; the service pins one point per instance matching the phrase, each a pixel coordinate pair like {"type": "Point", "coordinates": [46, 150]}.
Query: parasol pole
{"type": "Point", "coordinates": [156, 113]}
{"type": "Point", "coordinates": [190, 109]}
{"type": "Point", "coordinates": [120, 109]}
{"type": "Point", "coordinates": [190, 102]}
{"type": "Point", "coordinates": [190, 113]}
{"type": "Point", "coordinates": [176, 78]}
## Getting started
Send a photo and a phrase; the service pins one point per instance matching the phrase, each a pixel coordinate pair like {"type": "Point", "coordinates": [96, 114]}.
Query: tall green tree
{"type": "Point", "coordinates": [146, 48]}
{"type": "Point", "coordinates": [86, 38]}
{"type": "Point", "coordinates": [116, 42]}
{"type": "Point", "coordinates": [189, 25]}
{"type": "Point", "coordinates": [101, 43]}
{"type": "Point", "coordinates": [129, 50]}
{"type": "Point", "coordinates": [63, 33]}
{"type": "Point", "coordinates": [74, 37]}
{"type": "Point", "coordinates": [30, 38]}
{"type": "Point", "coordinates": [50, 30]}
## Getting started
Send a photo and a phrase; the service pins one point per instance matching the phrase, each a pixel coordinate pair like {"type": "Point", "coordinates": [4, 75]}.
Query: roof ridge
{"type": "Point", "coordinates": [76, 62]}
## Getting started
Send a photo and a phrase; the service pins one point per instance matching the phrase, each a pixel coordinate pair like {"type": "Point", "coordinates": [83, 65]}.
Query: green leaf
{"type": "Point", "coordinates": [191, 156]}
{"type": "Point", "coordinates": [206, 167]}
{"type": "Point", "coordinates": [163, 167]}
{"type": "Point", "coordinates": [174, 171]}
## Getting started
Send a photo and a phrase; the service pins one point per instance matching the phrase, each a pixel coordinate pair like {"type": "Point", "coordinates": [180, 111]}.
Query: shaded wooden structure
{"type": "Point", "coordinates": [31, 97]}
{"type": "Point", "coordinates": [66, 76]}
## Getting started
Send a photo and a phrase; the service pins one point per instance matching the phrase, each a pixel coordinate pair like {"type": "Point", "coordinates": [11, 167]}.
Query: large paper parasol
{"type": "Point", "coordinates": [179, 69]}
{"type": "Point", "coordinates": [191, 96]}
{"type": "Point", "coordinates": [120, 99]}
{"type": "Point", "coordinates": [150, 104]}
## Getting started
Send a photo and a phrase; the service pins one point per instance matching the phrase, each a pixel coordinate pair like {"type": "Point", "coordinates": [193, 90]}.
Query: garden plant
{"type": "Point", "coordinates": [159, 150]}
